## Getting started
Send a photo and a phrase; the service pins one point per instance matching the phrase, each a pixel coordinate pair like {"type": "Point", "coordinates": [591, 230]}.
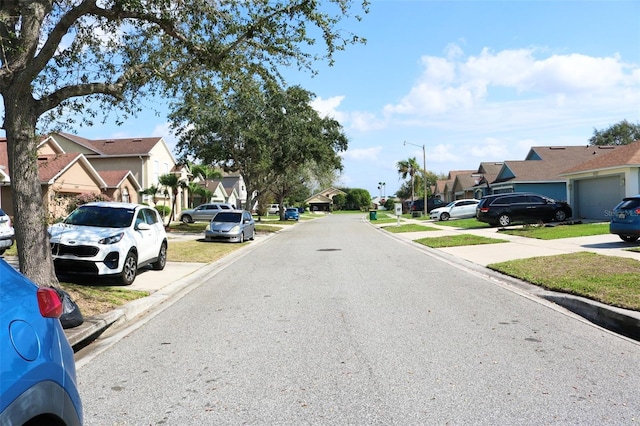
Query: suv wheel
{"type": "Point", "coordinates": [504, 220]}
{"type": "Point", "coordinates": [560, 215]}
{"type": "Point", "coordinates": [186, 219]}
{"type": "Point", "coordinates": [160, 263]}
{"type": "Point", "coordinates": [445, 216]}
{"type": "Point", "coordinates": [129, 269]}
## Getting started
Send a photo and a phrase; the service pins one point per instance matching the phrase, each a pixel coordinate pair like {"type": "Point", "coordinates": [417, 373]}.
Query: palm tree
{"type": "Point", "coordinates": [172, 182]}
{"type": "Point", "coordinates": [406, 168]}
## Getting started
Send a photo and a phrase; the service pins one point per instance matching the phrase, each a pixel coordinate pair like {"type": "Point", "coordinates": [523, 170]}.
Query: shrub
{"type": "Point", "coordinates": [163, 210]}
{"type": "Point", "coordinates": [84, 198]}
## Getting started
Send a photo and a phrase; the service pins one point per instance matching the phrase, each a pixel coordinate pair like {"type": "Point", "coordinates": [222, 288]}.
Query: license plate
{"type": "Point", "coordinates": [621, 215]}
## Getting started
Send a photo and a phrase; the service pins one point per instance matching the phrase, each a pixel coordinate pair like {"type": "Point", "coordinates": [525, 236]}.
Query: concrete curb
{"type": "Point", "coordinates": [621, 321]}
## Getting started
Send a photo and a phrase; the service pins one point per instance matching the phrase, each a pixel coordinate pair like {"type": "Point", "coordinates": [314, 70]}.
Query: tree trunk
{"type": "Point", "coordinates": [31, 216]}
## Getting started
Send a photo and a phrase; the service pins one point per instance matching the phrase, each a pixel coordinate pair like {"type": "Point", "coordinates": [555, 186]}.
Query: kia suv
{"type": "Point", "coordinates": [504, 209]}
{"type": "Point", "coordinates": [7, 234]}
{"type": "Point", "coordinates": [109, 239]}
{"type": "Point", "coordinates": [37, 370]}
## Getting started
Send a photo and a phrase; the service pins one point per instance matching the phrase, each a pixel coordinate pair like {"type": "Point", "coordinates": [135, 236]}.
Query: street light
{"type": "Point", "coordinates": [382, 188]}
{"type": "Point", "coordinates": [424, 167]}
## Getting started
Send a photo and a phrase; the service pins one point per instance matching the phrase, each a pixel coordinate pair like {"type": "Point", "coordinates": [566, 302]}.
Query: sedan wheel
{"type": "Point", "coordinates": [629, 238]}
{"type": "Point", "coordinates": [504, 220]}
{"type": "Point", "coordinates": [560, 216]}
{"type": "Point", "coordinates": [445, 216]}
{"type": "Point", "coordinates": [241, 238]}
{"type": "Point", "coordinates": [186, 219]}
{"type": "Point", "coordinates": [129, 269]}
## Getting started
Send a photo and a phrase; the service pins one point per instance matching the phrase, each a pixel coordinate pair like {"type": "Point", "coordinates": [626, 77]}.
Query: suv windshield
{"type": "Point", "coordinates": [104, 217]}
{"type": "Point", "coordinates": [227, 217]}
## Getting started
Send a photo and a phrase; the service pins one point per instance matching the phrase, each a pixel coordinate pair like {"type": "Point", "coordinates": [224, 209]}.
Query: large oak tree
{"type": "Point", "coordinates": [270, 135]}
{"type": "Point", "coordinates": [69, 61]}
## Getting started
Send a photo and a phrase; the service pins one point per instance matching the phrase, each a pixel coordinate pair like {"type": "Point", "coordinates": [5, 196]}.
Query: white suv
{"type": "Point", "coordinates": [109, 239]}
{"type": "Point", "coordinates": [7, 233]}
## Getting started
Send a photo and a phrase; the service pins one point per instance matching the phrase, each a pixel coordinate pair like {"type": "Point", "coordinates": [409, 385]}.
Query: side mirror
{"type": "Point", "coordinates": [143, 226]}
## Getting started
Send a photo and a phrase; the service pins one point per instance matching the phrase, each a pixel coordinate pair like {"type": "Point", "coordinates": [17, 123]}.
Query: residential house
{"type": "Point", "coordinates": [597, 185]}
{"type": "Point", "coordinates": [447, 189]}
{"type": "Point", "coordinates": [62, 175]}
{"type": "Point", "coordinates": [323, 200]}
{"type": "Point", "coordinates": [486, 173]}
{"type": "Point", "coordinates": [542, 169]}
{"type": "Point", "coordinates": [146, 158]}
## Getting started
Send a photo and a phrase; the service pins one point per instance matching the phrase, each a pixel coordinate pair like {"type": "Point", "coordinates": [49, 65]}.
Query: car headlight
{"type": "Point", "coordinates": [235, 229]}
{"type": "Point", "coordinates": [112, 239]}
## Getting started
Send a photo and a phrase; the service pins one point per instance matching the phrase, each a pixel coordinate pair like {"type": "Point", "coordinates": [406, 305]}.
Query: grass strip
{"type": "Point", "coordinates": [409, 227]}
{"type": "Point", "coordinates": [559, 231]}
{"type": "Point", "coordinates": [611, 280]}
{"type": "Point", "coordinates": [457, 240]}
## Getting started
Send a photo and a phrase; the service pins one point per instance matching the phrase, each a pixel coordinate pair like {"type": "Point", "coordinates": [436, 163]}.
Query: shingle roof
{"type": "Point", "coordinates": [117, 147]}
{"type": "Point", "coordinates": [114, 178]}
{"type": "Point", "coordinates": [50, 166]}
{"type": "Point", "coordinates": [625, 155]}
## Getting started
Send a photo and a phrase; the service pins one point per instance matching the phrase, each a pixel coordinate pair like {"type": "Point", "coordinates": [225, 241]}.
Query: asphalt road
{"type": "Point", "coordinates": [335, 323]}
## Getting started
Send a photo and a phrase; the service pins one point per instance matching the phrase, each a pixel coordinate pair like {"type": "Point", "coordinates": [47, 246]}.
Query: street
{"type": "Point", "coordinates": [332, 322]}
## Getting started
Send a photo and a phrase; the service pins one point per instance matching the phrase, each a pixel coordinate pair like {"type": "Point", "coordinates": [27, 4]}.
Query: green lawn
{"type": "Point", "coordinates": [471, 223]}
{"type": "Point", "coordinates": [409, 227]}
{"type": "Point", "coordinates": [559, 231]}
{"type": "Point", "coordinates": [457, 240]}
{"type": "Point", "coordinates": [611, 280]}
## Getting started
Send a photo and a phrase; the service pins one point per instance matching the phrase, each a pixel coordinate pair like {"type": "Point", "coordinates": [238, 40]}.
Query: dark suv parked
{"type": "Point", "coordinates": [503, 209]}
{"type": "Point", "coordinates": [432, 203]}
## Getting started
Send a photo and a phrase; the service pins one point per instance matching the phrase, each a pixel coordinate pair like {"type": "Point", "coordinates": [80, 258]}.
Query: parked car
{"type": "Point", "coordinates": [291, 213]}
{"type": "Point", "coordinates": [37, 373]}
{"type": "Point", "coordinates": [204, 212]}
{"type": "Point", "coordinates": [432, 203]}
{"type": "Point", "coordinates": [459, 209]}
{"type": "Point", "coordinates": [625, 219]}
{"type": "Point", "coordinates": [7, 234]}
{"type": "Point", "coordinates": [273, 209]}
{"type": "Point", "coordinates": [231, 225]}
{"type": "Point", "coordinates": [504, 209]}
{"type": "Point", "coordinates": [109, 239]}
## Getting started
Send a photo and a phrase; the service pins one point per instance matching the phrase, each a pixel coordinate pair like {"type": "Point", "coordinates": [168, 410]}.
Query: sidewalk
{"type": "Point", "coordinates": [622, 321]}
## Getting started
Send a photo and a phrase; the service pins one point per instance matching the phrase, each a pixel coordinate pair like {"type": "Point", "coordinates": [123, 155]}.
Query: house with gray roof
{"type": "Point", "coordinates": [597, 185]}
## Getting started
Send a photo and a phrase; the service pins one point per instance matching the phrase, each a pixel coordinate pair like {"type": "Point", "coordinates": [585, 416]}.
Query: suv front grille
{"type": "Point", "coordinates": [79, 251]}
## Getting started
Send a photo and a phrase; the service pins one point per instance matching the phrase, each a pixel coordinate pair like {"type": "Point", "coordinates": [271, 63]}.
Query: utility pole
{"type": "Point", "coordinates": [424, 171]}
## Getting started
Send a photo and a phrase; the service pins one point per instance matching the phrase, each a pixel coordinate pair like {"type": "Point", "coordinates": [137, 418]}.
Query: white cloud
{"type": "Point", "coordinates": [328, 107]}
{"type": "Point", "coordinates": [366, 154]}
{"type": "Point", "coordinates": [456, 86]}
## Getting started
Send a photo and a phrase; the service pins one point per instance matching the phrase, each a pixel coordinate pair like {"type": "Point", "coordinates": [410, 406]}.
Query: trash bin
{"type": "Point", "coordinates": [373, 215]}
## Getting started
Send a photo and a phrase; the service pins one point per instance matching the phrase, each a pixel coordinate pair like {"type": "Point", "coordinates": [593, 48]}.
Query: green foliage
{"type": "Point", "coordinates": [163, 210]}
{"type": "Point", "coordinates": [389, 204]}
{"type": "Point", "coordinates": [622, 133]}
{"type": "Point", "coordinates": [84, 198]}
{"type": "Point", "coordinates": [357, 199]}
{"type": "Point", "coordinates": [339, 201]}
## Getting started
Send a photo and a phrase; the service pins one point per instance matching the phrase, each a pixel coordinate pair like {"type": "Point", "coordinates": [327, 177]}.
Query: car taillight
{"type": "Point", "coordinates": [637, 211]}
{"type": "Point", "coordinates": [49, 303]}
{"type": "Point", "coordinates": [484, 209]}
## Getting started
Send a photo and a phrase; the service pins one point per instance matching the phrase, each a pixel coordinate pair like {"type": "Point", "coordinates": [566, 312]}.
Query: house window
{"type": "Point", "coordinates": [125, 195]}
{"type": "Point", "coordinates": [156, 171]}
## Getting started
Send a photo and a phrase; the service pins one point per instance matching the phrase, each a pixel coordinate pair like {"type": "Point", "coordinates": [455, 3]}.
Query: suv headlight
{"type": "Point", "coordinates": [112, 239]}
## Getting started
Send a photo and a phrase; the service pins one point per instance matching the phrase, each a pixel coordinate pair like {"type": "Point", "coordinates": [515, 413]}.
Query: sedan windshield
{"type": "Point", "coordinates": [104, 217]}
{"type": "Point", "coordinates": [229, 217]}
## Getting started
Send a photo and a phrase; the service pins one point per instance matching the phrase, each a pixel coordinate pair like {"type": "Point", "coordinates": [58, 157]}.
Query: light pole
{"type": "Point", "coordinates": [424, 171]}
{"type": "Point", "coordinates": [382, 188]}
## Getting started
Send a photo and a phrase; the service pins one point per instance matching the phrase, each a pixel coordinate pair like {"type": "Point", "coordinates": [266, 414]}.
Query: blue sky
{"type": "Point", "coordinates": [472, 81]}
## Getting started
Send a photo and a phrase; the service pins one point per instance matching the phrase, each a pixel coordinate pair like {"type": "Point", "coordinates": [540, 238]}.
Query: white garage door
{"type": "Point", "coordinates": [597, 197]}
